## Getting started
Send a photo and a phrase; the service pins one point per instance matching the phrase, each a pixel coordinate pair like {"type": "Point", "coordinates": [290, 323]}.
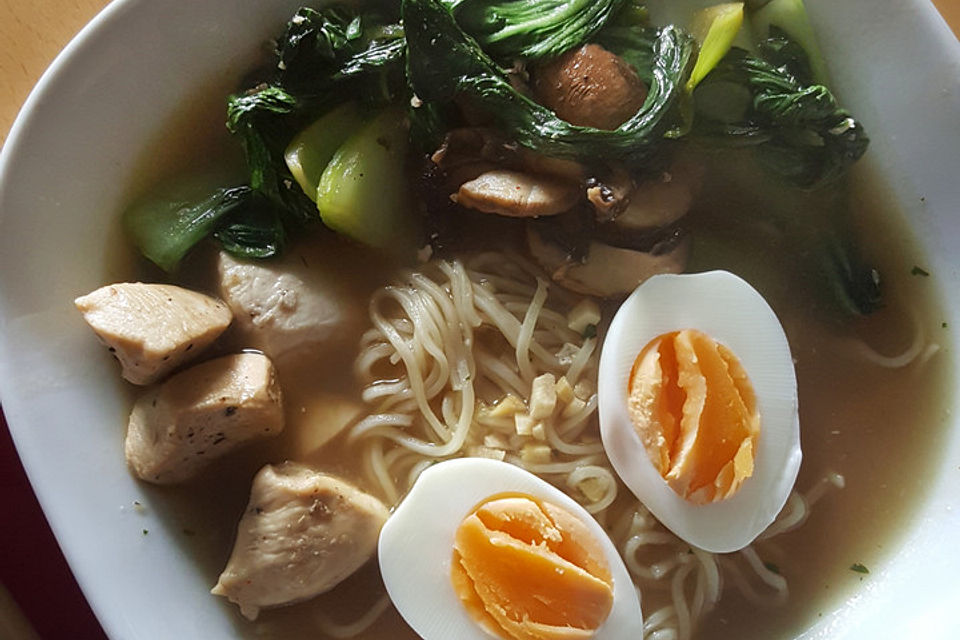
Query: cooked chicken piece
{"type": "Point", "coordinates": [199, 414]}
{"type": "Point", "coordinates": [303, 532]}
{"type": "Point", "coordinates": [282, 305]}
{"type": "Point", "coordinates": [606, 271]}
{"type": "Point", "coordinates": [518, 195]}
{"type": "Point", "coordinates": [590, 87]}
{"type": "Point", "coordinates": [664, 198]}
{"type": "Point", "coordinates": [151, 329]}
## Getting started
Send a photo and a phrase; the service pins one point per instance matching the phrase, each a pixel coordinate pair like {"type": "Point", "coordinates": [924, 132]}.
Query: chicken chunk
{"type": "Point", "coordinates": [199, 414]}
{"type": "Point", "coordinates": [590, 87]}
{"type": "Point", "coordinates": [153, 328]}
{"type": "Point", "coordinates": [302, 534]}
{"type": "Point", "coordinates": [284, 305]}
{"type": "Point", "coordinates": [607, 271]}
{"type": "Point", "coordinates": [517, 194]}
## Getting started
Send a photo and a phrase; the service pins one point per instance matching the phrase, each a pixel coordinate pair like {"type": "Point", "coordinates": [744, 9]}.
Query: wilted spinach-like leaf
{"type": "Point", "coordinates": [799, 129]}
{"type": "Point", "coordinates": [165, 231]}
{"type": "Point", "coordinates": [446, 63]}
{"type": "Point", "coordinates": [531, 29]}
{"type": "Point", "coordinates": [256, 231]}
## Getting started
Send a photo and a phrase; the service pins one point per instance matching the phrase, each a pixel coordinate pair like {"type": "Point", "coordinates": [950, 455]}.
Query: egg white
{"type": "Point", "coordinates": [729, 310]}
{"type": "Point", "coordinates": [416, 548]}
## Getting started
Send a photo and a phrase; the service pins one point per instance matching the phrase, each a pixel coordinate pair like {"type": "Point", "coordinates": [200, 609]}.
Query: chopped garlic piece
{"type": "Point", "coordinates": [479, 451]}
{"type": "Point", "coordinates": [586, 312]}
{"type": "Point", "coordinates": [567, 353]}
{"type": "Point", "coordinates": [575, 406]}
{"type": "Point", "coordinates": [543, 396]}
{"type": "Point", "coordinates": [539, 432]}
{"type": "Point", "coordinates": [564, 390]}
{"type": "Point", "coordinates": [524, 424]}
{"type": "Point", "coordinates": [495, 441]}
{"type": "Point", "coordinates": [532, 453]}
{"type": "Point", "coordinates": [593, 488]}
{"type": "Point", "coordinates": [507, 406]}
{"type": "Point", "coordinates": [583, 390]}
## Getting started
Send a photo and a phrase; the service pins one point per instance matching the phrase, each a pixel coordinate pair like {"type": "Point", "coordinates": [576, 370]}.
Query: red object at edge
{"type": "Point", "coordinates": [32, 567]}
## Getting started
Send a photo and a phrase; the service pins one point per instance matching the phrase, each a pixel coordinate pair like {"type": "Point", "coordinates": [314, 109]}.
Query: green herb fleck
{"type": "Point", "coordinates": [772, 567]}
{"type": "Point", "coordinates": [918, 271]}
{"type": "Point", "coordinates": [859, 568]}
{"type": "Point", "coordinates": [590, 331]}
{"type": "Point", "coordinates": [943, 325]}
{"type": "Point", "coordinates": [145, 532]}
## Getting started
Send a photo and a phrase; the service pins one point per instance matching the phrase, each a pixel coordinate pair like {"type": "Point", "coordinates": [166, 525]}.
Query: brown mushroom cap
{"type": "Point", "coordinates": [590, 87]}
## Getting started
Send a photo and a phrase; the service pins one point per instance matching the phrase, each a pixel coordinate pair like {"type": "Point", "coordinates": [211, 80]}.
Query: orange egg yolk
{"type": "Point", "coordinates": [695, 411]}
{"type": "Point", "coordinates": [530, 570]}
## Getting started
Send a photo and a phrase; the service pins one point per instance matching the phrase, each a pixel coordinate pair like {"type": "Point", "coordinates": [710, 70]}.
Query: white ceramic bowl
{"type": "Point", "coordinates": [64, 173]}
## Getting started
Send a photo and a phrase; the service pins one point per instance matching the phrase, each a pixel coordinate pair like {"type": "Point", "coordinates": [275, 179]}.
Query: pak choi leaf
{"type": "Point", "coordinates": [445, 63]}
{"type": "Point", "coordinates": [531, 29]}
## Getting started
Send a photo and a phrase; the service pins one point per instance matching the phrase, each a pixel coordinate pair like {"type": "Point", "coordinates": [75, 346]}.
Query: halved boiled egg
{"type": "Point", "coordinates": [698, 407]}
{"type": "Point", "coordinates": [481, 548]}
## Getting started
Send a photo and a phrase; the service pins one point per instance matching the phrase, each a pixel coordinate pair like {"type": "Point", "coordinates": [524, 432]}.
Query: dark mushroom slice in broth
{"type": "Point", "coordinates": [604, 270]}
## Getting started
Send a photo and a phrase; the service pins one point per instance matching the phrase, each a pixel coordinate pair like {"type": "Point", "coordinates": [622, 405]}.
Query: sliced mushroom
{"type": "Point", "coordinates": [607, 271]}
{"type": "Point", "coordinates": [519, 195]}
{"type": "Point", "coordinates": [472, 146]}
{"type": "Point", "coordinates": [610, 194]}
{"type": "Point", "coordinates": [663, 198]}
{"type": "Point", "coordinates": [466, 153]}
{"type": "Point", "coordinates": [590, 87]}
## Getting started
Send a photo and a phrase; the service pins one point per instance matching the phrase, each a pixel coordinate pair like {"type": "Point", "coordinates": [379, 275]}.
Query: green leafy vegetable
{"type": "Point", "coordinates": [635, 44]}
{"type": "Point", "coordinates": [165, 231]}
{"type": "Point", "coordinates": [790, 17]}
{"type": "Point", "coordinates": [716, 28]}
{"type": "Point", "coordinates": [322, 48]}
{"type": "Point", "coordinates": [324, 57]}
{"type": "Point", "coordinates": [252, 232]}
{"type": "Point", "coordinates": [362, 192]}
{"type": "Point", "coordinates": [445, 63]}
{"type": "Point", "coordinates": [531, 29]}
{"type": "Point", "coordinates": [258, 118]}
{"type": "Point", "coordinates": [859, 568]}
{"type": "Point", "coordinates": [853, 284]}
{"type": "Point", "coordinates": [798, 128]}
{"type": "Point", "coordinates": [310, 151]}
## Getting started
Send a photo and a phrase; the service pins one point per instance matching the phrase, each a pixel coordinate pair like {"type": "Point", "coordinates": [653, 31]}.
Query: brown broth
{"type": "Point", "coordinates": [879, 428]}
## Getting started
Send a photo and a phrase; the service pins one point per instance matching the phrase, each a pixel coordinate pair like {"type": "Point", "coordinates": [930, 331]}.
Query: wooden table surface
{"type": "Point", "coordinates": [32, 570]}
